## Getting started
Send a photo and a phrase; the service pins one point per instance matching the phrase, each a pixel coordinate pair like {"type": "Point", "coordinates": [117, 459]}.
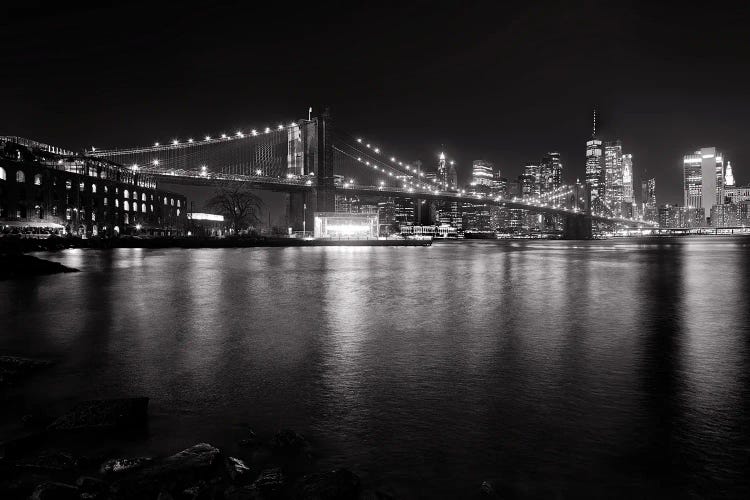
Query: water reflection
{"type": "Point", "coordinates": [578, 368]}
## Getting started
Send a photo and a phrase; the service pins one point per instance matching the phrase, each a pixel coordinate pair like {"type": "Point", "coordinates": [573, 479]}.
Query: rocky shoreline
{"type": "Point", "coordinates": [13, 266]}
{"type": "Point", "coordinates": [36, 463]}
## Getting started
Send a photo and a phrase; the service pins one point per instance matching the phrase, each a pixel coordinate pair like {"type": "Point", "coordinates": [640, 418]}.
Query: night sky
{"type": "Point", "coordinates": [475, 79]}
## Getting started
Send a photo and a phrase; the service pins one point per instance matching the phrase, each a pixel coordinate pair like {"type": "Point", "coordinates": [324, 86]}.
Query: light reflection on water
{"type": "Point", "coordinates": [576, 367]}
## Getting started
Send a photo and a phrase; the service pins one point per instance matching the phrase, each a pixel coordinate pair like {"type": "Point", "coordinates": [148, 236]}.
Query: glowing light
{"type": "Point", "coordinates": [393, 159]}
{"type": "Point", "coordinates": [267, 130]}
{"type": "Point", "coordinates": [190, 141]}
{"type": "Point", "coordinates": [240, 134]}
{"type": "Point", "coordinates": [442, 156]}
{"type": "Point", "coordinates": [377, 150]}
{"type": "Point", "coordinates": [208, 137]}
{"type": "Point", "coordinates": [258, 172]}
{"type": "Point", "coordinates": [223, 136]}
{"type": "Point", "coordinates": [155, 162]}
{"type": "Point", "coordinates": [359, 140]}
{"type": "Point", "coordinates": [281, 127]}
{"type": "Point", "coordinates": [254, 132]}
{"type": "Point", "coordinates": [175, 142]}
{"type": "Point", "coordinates": [156, 144]}
{"type": "Point", "coordinates": [138, 227]}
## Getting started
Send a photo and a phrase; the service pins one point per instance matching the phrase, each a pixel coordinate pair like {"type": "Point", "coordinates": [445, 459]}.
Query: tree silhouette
{"type": "Point", "coordinates": [237, 203]}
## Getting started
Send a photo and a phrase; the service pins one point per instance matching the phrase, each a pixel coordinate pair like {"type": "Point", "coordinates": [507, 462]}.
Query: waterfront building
{"type": "Point", "coordinates": [703, 179]}
{"type": "Point", "coordinates": [47, 185]}
{"type": "Point", "coordinates": [648, 199]}
{"type": "Point", "coordinates": [736, 194]}
{"type": "Point", "coordinates": [387, 218]}
{"type": "Point", "coordinates": [338, 225]}
{"type": "Point", "coordinates": [725, 215]}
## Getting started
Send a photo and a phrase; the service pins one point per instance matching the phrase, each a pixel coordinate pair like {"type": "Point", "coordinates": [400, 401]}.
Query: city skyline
{"type": "Point", "coordinates": [421, 99]}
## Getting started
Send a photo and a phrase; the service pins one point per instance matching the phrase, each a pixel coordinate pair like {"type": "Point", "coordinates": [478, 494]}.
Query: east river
{"type": "Point", "coordinates": [599, 368]}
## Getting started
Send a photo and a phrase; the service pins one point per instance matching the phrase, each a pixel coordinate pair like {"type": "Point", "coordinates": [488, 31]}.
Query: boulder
{"type": "Point", "coordinates": [50, 460]}
{"type": "Point", "coordinates": [15, 368]}
{"type": "Point", "coordinates": [115, 465]}
{"type": "Point", "coordinates": [269, 483]}
{"type": "Point", "coordinates": [171, 474]}
{"type": "Point", "coordinates": [340, 484]}
{"type": "Point", "coordinates": [55, 491]}
{"type": "Point", "coordinates": [104, 413]}
{"type": "Point", "coordinates": [250, 440]}
{"type": "Point", "coordinates": [237, 470]}
{"type": "Point", "coordinates": [289, 442]}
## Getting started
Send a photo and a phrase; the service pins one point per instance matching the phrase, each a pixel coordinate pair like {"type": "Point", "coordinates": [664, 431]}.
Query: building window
{"type": "Point", "coordinates": [127, 218]}
{"type": "Point", "coordinates": [135, 206]}
{"type": "Point", "coordinates": [151, 207]}
{"type": "Point", "coordinates": [93, 188]}
{"type": "Point", "coordinates": [172, 200]}
{"type": "Point", "coordinates": [143, 208]}
{"type": "Point", "coordinates": [93, 216]}
{"type": "Point", "coordinates": [125, 194]}
{"type": "Point", "coordinates": [3, 175]}
{"type": "Point", "coordinates": [106, 202]}
{"type": "Point", "coordinates": [67, 213]}
{"type": "Point", "coordinates": [54, 210]}
{"type": "Point", "coordinates": [178, 212]}
{"type": "Point", "coordinates": [68, 184]}
{"type": "Point", "coordinates": [38, 180]}
{"type": "Point", "coordinates": [126, 205]}
{"type": "Point", "coordinates": [117, 203]}
{"type": "Point", "coordinates": [135, 195]}
{"type": "Point", "coordinates": [20, 176]}
{"type": "Point", "coordinates": [106, 189]}
{"type": "Point", "coordinates": [165, 200]}
{"type": "Point", "coordinates": [143, 197]}
{"type": "Point", "coordinates": [178, 203]}
{"type": "Point", "coordinates": [82, 187]}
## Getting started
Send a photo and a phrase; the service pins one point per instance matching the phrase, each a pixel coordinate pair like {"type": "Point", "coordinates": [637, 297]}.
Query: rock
{"type": "Point", "coordinates": [21, 266]}
{"type": "Point", "coordinates": [54, 491]}
{"type": "Point", "coordinates": [104, 413]}
{"type": "Point", "coordinates": [340, 484]}
{"type": "Point", "coordinates": [270, 482]}
{"type": "Point", "coordinates": [173, 473]}
{"type": "Point", "coordinates": [289, 442]}
{"type": "Point", "coordinates": [90, 484]}
{"type": "Point", "coordinates": [237, 469]}
{"type": "Point", "coordinates": [122, 464]}
{"type": "Point", "coordinates": [250, 440]}
{"type": "Point", "coordinates": [15, 368]}
{"type": "Point", "coordinates": [50, 460]}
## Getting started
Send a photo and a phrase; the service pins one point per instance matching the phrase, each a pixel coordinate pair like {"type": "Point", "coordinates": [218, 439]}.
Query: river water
{"type": "Point", "coordinates": [601, 368]}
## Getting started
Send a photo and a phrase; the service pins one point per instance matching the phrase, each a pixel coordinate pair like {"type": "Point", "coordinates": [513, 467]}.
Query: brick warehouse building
{"type": "Point", "coordinates": [45, 185]}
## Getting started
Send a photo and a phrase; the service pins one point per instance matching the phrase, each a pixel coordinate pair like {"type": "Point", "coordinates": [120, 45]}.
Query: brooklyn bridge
{"type": "Point", "coordinates": [314, 161]}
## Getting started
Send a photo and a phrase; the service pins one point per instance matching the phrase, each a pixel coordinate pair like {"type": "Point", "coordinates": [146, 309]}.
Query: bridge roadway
{"type": "Point", "coordinates": [307, 184]}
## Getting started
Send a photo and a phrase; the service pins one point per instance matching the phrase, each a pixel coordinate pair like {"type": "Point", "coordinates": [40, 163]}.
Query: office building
{"type": "Point", "coordinates": [703, 179]}
{"type": "Point", "coordinates": [482, 173]}
{"type": "Point", "coordinates": [550, 172]}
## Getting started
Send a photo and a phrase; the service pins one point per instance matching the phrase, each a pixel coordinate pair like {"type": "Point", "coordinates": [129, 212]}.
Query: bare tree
{"type": "Point", "coordinates": [237, 203]}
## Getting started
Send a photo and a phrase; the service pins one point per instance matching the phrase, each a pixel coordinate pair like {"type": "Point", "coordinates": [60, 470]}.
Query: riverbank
{"type": "Point", "coordinates": [18, 245]}
{"type": "Point", "coordinates": [13, 265]}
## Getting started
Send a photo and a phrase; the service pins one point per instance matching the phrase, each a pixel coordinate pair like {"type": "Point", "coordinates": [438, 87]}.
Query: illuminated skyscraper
{"type": "Point", "coordinates": [648, 199]}
{"type": "Point", "coordinates": [703, 179]}
{"type": "Point", "coordinates": [595, 165]}
{"type": "Point", "coordinates": [481, 173]}
{"type": "Point", "coordinates": [442, 171]}
{"type": "Point", "coordinates": [729, 177]}
{"type": "Point", "coordinates": [613, 175]}
{"type": "Point", "coordinates": [550, 172]}
{"type": "Point", "coordinates": [628, 191]}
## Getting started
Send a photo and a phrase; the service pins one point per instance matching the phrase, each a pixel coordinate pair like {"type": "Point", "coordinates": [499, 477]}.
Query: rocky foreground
{"type": "Point", "coordinates": [262, 470]}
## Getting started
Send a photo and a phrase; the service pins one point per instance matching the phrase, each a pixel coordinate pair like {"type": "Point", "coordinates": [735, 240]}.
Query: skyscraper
{"type": "Point", "coordinates": [613, 175]}
{"type": "Point", "coordinates": [648, 199]}
{"type": "Point", "coordinates": [729, 177]}
{"type": "Point", "coordinates": [550, 172]}
{"type": "Point", "coordinates": [442, 171]}
{"type": "Point", "coordinates": [481, 173]}
{"type": "Point", "coordinates": [595, 165]}
{"type": "Point", "coordinates": [628, 190]}
{"type": "Point", "coordinates": [703, 179]}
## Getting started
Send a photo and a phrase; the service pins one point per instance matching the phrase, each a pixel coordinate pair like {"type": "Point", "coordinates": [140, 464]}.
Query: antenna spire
{"type": "Point", "coordinates": [593, 131]}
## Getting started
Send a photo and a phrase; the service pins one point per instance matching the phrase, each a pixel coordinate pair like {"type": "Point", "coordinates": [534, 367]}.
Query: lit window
{"type": "Point", "coordinates": [178, 212]}
{"type": "Point", "coordinates": [127, 218]}
{"type": "Point", "coordinates": [3, 175]}
{"type": "Point", "coordinates": [143, 197]}
{"type": "Point", "coordinates": [172, 200]}
{"type": "Point", "coordinates": [38, 180]}
{"type": "Point", "coordinates": [93, 216]}
{"type": "Point", "coordinates": [126, 205]}
{"type": "Point", "coordinates": [20, 176]}
{"type": "Point", "coordinates": [135, 206]}
{"type": "Point", "coordinates": [117, 203]}
{"type": "Point", "coordinates": [68, 184]}
{"type": "Point", "coordinates": [165, 200]}
{"type": "Point", "coordinates": [143, 208]}
{"type": "Point", "coordinates": [126, 194]}
{"type": "Point", "coordinates": [67, 213]}
{"type": "Point", "coordinates": [105, 201]}
{"type": "Point", "coordinates": [82, 187]}
{"type": "Point", "coordinates": [151, 207]}
{"type": "Point", "coordinates": [93, 188]}
{"type": "Point", "coordinates": [135, 195]}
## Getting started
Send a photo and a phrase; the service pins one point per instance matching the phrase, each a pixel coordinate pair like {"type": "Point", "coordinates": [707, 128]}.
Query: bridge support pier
{"type": "Point", "coordinates": [301, 207]}
{"type": "Point", "coordinates": [577, 227]}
